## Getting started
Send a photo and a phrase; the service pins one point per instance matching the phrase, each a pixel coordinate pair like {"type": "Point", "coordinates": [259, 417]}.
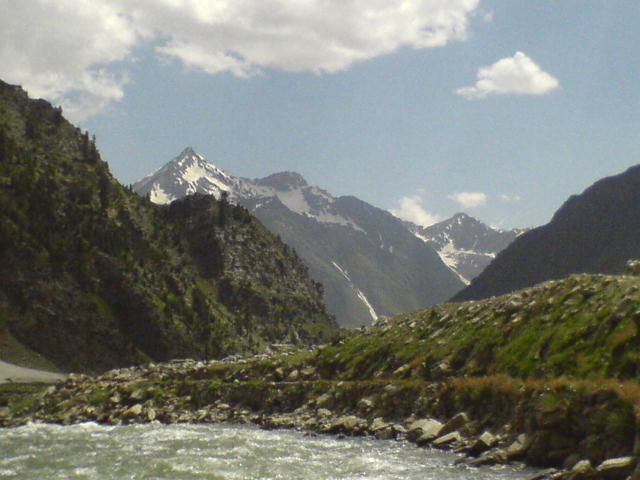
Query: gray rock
{"type": "Point", "coordinates": [447, 440]}
{"type": "Point", "coordinates": [481, 444]}
{"type": "Point", "coordinates": [544, 474]}
{"type": "Point", "coordinates": [428, 428]}
{"type": "Point", "coordinates": [582, 470]}
{"type": "Point", "coordinates": [493, 457]}
{"type": "Point", "coordinates": [518, 448]}
{"type": "Point", "coordinates": [308, 373]}
{"type": "Point", "coordinates": [382, 429]}
{"type": "Point", "coordinates": [151, 414]}
{"type": "Point", "coordinates": [323, 413]}
{"type": "Point", "coordinates": [365, 404]}
{"type": "Point", "coordinates": [617, 468]}
{"type": "Point", "coordinates": [350, 425]}
{"type": "Point", "coordinates": [455, 423]}
{"type": "Point", "coordinates": [134, 411]}
{"type": "Point", "coordinates": [325, 400]}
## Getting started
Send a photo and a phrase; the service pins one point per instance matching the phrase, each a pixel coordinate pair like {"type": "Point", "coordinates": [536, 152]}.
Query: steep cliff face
{"type": "Point", "coordinates": [92, 276]}
{"type": "Point", "coordinates": [594, 232]}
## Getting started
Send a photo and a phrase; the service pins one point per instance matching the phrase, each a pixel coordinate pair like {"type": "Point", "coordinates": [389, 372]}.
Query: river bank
{"type": "Point", "coordinates": [546, 376]}
{"type": "Point", "coordinates": [577, 430]}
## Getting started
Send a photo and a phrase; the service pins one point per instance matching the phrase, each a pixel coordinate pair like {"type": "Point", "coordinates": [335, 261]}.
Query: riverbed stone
{"type": "Point", "coordinates": [518, 447]}
{"type": "Point", "coordinates": [447, 440]}
{"type": "Point", "coordinates": [582, 470]}
{"type": "Point", "coordinates": [548, 474]}
{"type": "Point", "coordinates": [325, 400]}
{"type": "Point", "coordinates": [455, 423]}
{"type": "Point", "coordinates": [616, 468]}
{"type": "Point", "coordinates": [308, 373]}
{"type": "Point", "coordinates": [425, 429]}
{"type": "Point", "coordinates": [382, 429]}
{"type": "Point", "coordinates": [481, 444]}
{"type": "Point", "coordinates": [365, 404]}
{"type": "Point", "coordinates": [349, 425]}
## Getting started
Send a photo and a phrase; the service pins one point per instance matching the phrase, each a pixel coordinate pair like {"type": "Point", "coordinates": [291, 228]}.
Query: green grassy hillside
{"type": "Point", "coordinates": [92, 276]}
{"type": "Point", "coordinates": [584, 326]}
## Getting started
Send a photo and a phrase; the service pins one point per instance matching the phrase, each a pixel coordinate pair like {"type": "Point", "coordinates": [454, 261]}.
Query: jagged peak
{"type": "Point", "coordinates": [283, 181]}
{"type": "Point", "coordinates": [188, 154]}
{"type": "Point", "coordinates": [463, 217]}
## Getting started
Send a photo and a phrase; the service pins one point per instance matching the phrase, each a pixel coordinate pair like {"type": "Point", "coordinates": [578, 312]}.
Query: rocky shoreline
{"type": "Point", "coordinates": [446, 415]}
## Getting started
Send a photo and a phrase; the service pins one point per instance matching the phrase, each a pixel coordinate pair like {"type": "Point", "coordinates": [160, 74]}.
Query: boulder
{"type": "Point", "coordinates": [447, 440]}
{"type": "Point", "coordinates": [455, 423]}
{"type": "Point", "coordinates": [365, 404]}
{"type": "Point", "coordinates": [518, 447]}
{"type": "Point", "coordinates": [349, 425]}
{"type": "Point", "coordinates": [616, 468]}
{"type": "Point", "coordinates": [582, 470]}
{"type": "Point", "coordinates": [492, 457]}
{"type": "Point", "coordinates": [382, 429]}
{"type": "Point", "coordinates": [323, 413]}
{"type": "Point", "coordinates": [425, 429]}
{"type": "Point", "coordinates": [481, 444]}
{"type": "Point", "coordinates": [325, 400]}
{"type": "Point", "coordinates": [133, 411]}
{"type": "Point", "coordinates": [549, 473]}
{"type": "Point", "coordinates": [308, 373]}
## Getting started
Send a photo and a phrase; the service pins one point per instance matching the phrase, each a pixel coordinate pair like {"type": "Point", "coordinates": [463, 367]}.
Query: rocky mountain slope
{"type": "Point", "coordinates": [594, 232]}
{"type": "Point", "coordinates": [93, 276]}
{"type": "Point", "coordinates": [367, 260]}
{"type": "Point", "coordinates": [465, 244]}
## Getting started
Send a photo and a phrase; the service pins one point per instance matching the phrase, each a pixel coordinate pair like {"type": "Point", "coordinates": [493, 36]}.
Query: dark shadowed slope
{"type": "Point", "coordinates": [93, 276]}
{"type": "Point", "coordinates": [595, 232]}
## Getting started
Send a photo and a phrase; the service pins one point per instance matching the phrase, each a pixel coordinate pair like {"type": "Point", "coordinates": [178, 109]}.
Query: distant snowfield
{"type": "Point", "coordinates": [13, 373]}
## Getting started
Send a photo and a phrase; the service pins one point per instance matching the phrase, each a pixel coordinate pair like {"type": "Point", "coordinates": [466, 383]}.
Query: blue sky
{"type": "Point", "coordinates": [377, 99]}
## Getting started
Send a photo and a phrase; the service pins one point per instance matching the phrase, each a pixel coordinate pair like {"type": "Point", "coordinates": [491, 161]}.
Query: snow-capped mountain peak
{"type": "Point", "coordinates": [187, 173]}
{"type": "Point", "coordinates": [370, 264]}
{"type": "Point", "coordinates": [465, 244]}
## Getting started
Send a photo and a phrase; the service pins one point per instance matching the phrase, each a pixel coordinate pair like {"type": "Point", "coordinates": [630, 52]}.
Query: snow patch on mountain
{"type": "Point", "coordinates": [158, 195]}
{"type": "Point", "coordinates": [359, 294]}
{"type": "Point", "coordinates": [294, 201]}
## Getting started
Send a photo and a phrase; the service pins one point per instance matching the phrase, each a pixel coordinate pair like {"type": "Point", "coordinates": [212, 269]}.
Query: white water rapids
{"type": "Point", "coordinates": [212, 452]}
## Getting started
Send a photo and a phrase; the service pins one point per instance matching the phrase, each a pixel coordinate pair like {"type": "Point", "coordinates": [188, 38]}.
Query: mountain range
{"type": "Point", "coordinates": [597, 231]}
{"type": "Point", "coordinates": [371, 263]}
{"type": "Point", "coordinates": [465, 244]}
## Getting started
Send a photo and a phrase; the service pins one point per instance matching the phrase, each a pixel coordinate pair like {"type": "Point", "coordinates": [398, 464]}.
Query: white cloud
{"type": "Point", "coordinates": [75, 51]}
{"type": "Point", "coordinates": [59, 49]}
{"type": "Point", "coordinates": [511, 75]}
{"type": "Point", "coordinates": [411, 209]}
{"type": "Point", "coordinates": [469, 199]}
{"type": "Point", "coordinates": [506, 198]}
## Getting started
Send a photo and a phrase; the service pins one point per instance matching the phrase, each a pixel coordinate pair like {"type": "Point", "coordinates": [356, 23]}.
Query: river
{"type": "Point", "coordinates": [230, 452]}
